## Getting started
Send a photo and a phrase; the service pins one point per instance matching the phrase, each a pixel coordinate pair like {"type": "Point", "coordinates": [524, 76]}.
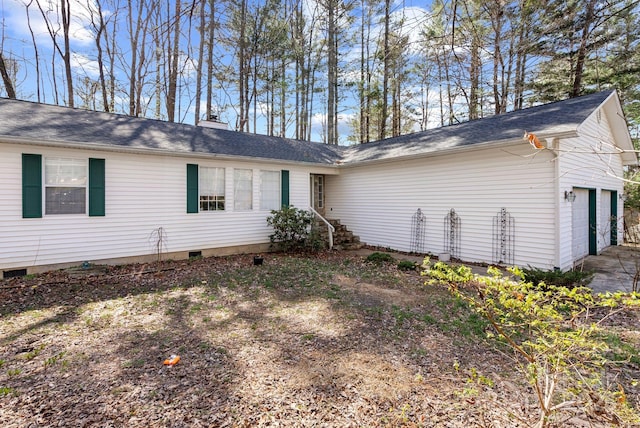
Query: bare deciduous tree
{"type": "Point", "coordinates": [62, 23]}
{"type": "Point", "coordinates": [8, 84]}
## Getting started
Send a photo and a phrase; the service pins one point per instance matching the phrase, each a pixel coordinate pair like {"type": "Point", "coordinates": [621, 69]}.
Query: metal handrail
{"type": "Point", "coordinates": [330, 227]}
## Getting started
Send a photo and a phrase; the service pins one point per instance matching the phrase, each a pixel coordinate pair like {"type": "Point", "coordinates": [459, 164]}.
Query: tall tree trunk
{"type": "Point", "coordinates": [447, 77]}
{"type": "Point", "coordinates": [35, 49]}
{"type": "Point", "coordinates": [582, 50]}
{"type": "Point", "coordinates": [332, 76]}
{"type": "Point", "coordinates": [210, 60]}
{"type": "Point", "coordinates": [299, 67]}
{"type": "Point", "coordinates": [496, 15]}
{"type": "Point", "coordinates": [242, 68]}
{"type": "Point", "coordinates": [361, 88]}
{"type": "Point", "coordinates": [302, 76]}
{"type": "Point", "coordinates": [521, 61]}
{"type": "Point", "coordinates": [100, 28]}
{"type": "Point", "coordinates": [474, 77]}
{"type": "Point", "coordinates": [134, 34]}
{"type": "Point", "coordinates": [158, 51]}
{"type": "Point", "coordinates": [65, 11]}
{"type": "Point", "coordinates": [271, 97]}
{"type": "Point", "coordinates": [283, 97]}
{"type": "Point", "coordinates": [506, 75]}
{"type": "Point", "coordinates": [385, 78]}
{"type": "Point", "coordinates": [254, 91]}
{"type": "Point", "coordinates": [173, 65]}
{"type": "Point", "coordinates": [440, 88]}
{"type": "Point", "coordinates": [395, 107]}
{"type": "Point", "coordinates": [110, 46]}
{"type": "Point", "coordinates": [65, 54]}
{"type": "Point", "coordinates": [8, 85]}
{"type": "Point", "coordinates": [201, 47]}
{"type": "Point", "coordinates": [54, 78]}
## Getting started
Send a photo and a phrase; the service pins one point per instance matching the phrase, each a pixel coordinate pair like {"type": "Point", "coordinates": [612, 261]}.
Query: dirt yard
{"type": "Point", "coordinates": [328, 340]}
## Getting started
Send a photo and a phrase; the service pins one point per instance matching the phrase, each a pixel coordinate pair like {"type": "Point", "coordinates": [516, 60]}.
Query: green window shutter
{"type": "Point", "coordinates": [31, 186]}
{"type": "Point", "coordinates": [614, 217]}
{"type": "Point", "coordinates": [593, 225]}
{"type": "Point", "coordinates": [96, 187]}
{"type": "Point", "coordinates": [192, 188]}
{"type": "Point", "coordinates": [284, 190]}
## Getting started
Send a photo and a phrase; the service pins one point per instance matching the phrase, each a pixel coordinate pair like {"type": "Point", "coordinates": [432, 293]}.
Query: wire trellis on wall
{"type": "Point", "coordinates": [452, 224]}
{"type": "Point", "coordinates": [504, 238]}
{"type": "Point", "coordinates": [418, 232]}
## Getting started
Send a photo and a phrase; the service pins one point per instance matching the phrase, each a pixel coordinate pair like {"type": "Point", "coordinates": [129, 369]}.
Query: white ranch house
{"type": "Point", "coordinates": [81, 186]}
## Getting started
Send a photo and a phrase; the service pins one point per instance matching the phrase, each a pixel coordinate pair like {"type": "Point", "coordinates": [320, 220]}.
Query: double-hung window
{"type": "Point", "coordinates": [270, 190]}
{"type": "Point", "coordinates": [211, 186]}
{"type": "Point", "coordinates": [242, 189]}
{"type": "Point", "coordinates": [70, 186]}
{"type": "Point", "coordinates": [65, 186]}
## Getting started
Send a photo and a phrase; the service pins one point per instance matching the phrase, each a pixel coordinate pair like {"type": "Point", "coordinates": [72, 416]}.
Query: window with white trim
{"type": "Point", "coordinates": [270, 190]}
{"type": "Point", "coordinates": [242, 189]}
{"type": "Point", "coordinates": [211, 186]}
{"type": "Point", "coordinates": [65, 186]}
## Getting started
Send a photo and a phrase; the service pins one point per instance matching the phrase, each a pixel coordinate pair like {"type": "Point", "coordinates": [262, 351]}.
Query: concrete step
{"type": "Point", "coordinates": [342, 237]}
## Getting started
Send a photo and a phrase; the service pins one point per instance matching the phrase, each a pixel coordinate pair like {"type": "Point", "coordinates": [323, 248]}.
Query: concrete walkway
{"type": "Point", "coordinates": [614, 268]}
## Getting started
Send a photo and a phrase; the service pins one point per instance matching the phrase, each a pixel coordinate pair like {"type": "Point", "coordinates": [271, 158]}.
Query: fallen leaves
{"type": "Point", "coordinates": [322, 341]}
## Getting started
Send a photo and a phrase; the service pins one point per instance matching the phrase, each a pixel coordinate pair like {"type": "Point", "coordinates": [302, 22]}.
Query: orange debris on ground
{"type": "Point", "coordinates": [172, 360]}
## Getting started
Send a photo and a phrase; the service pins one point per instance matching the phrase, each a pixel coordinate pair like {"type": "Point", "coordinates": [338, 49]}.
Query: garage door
{"type": "Point", "coordinates": [580, 229]}
{"type": "Point", "coordinates": [605, 218]}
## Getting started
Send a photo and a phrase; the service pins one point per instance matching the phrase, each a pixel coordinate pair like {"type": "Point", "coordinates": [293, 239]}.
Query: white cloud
{"type": "Point", "coordinates": [84, 65]}
{"type": "Point", "coordinates": [15, 13]}
{"type": "Point", "coordinates": [189, 65]}
{"type": "Point", "coordinates": [319, 126]}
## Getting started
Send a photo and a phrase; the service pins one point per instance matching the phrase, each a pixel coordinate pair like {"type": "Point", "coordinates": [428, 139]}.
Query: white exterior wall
{"type": "Point", "coordinates": [377, 201]}
{"type": "Point", "coordinates": [143, 193]}
{"type": "Point", "coordinates": [300, 192]}
{"type": "Point", "coordinates": [589, 161]}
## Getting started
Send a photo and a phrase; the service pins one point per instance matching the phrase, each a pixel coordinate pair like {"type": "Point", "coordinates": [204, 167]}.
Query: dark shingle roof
{"type": "Point", "coordinates": [57, 125]}
{"type": "Point", "coordinates": [557, 117]}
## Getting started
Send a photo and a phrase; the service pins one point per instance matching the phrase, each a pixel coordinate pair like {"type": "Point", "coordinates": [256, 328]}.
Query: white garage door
{"type": "Point", "coordinates": [605, 218]}
{"type": "Point", "coordinates": [580, 217]}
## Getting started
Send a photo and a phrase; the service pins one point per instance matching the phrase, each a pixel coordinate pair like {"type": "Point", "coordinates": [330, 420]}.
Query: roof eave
{"type": "Point", "coordinates": [459, 149]}
{"type": "Point", "coordinates": [150, 151]}
{"type": "Point", "coordinates": [619, 127]}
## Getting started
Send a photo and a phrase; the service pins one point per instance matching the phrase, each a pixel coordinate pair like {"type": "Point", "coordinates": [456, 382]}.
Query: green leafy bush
{"type": "Point", "coordinates": [553, 334]}
{"type": "Point", "coordinates": [570, 278]}
{"type": "Point", "coordinates": [379, 258]}
{"type": "Point", "coordinates": [407, 265]}
{"type": "Point", "coordinates": [292, 229]}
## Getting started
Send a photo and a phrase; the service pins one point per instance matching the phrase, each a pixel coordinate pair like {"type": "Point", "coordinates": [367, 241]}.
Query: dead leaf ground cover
{"type": "Point", "coordinates": [327, 340]}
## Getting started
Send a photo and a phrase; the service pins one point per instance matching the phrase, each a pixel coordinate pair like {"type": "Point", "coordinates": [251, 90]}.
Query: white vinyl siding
{"type": "Point", "coordinates": [145, 193]}
{"type": "Point", "coordinates": [589, 162]}
{"type": "Point", "coordinates": [242, 189]}
{"type": "Point", "coordinates": [299, 189]}
{"type": "Point", "coordinates": [377, 202]}
{"type": "Point", "coordinates": [270, 197]}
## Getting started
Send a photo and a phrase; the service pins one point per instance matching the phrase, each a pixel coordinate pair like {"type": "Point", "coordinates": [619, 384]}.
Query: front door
{"type": "Point", "coordinates": [317, 193]}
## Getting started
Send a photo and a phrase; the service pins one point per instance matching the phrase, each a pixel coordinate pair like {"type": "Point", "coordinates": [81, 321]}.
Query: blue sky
{"type": "Point", "coordinates": [17, 45]}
